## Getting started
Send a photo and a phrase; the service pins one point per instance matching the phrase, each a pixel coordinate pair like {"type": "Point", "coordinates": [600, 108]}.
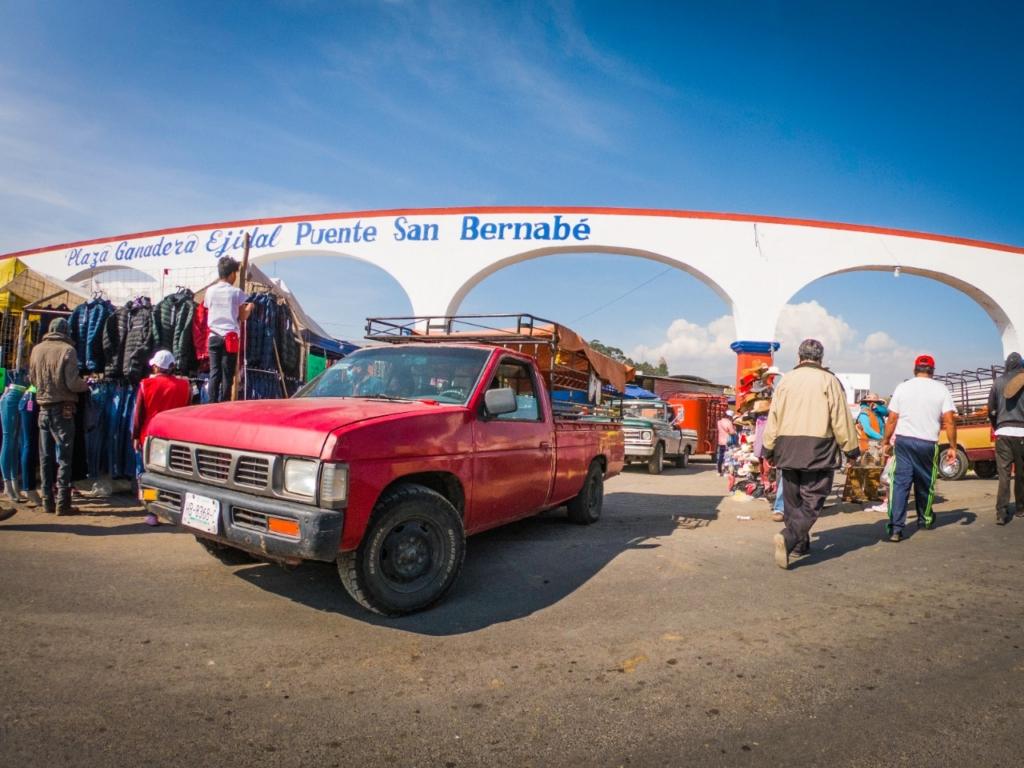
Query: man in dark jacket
{"type": "Point", "coordinates": [53, 370]}
{"type": "Point", "coordinates": [1006, 412]}
{"type": "Point", "coordinates": [809, 426]}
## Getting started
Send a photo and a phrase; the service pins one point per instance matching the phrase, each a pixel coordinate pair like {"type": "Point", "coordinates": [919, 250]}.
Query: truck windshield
{"type": "Point", "coordinates": [644, 410]}
{"type": "Point", "coordinates": [402, 373]}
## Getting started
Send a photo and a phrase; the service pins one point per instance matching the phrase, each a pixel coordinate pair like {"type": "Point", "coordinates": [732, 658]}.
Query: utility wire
{"type": "Point", "coordinates": [624, 295]}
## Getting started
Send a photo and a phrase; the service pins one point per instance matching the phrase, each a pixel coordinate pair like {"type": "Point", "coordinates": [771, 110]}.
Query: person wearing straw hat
{"type": "Point", "coordinates": [918, 409]}
{"type": "Point", "coordinates": [1006, 414]}
{"type": "Point", "coordinates": [160, 392]}
{"type": "Point", "coordinates": [809, 430]}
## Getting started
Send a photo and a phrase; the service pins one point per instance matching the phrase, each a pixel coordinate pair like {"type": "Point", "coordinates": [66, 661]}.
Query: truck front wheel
{"type": "Point", "coordinates": [657, 461]}
{"type": "Point", "coordinates": [410, 555]}
{"type": "Point", "coordinates": [586, 507]}
{"type": "Point", "coordinates": [986, 470]}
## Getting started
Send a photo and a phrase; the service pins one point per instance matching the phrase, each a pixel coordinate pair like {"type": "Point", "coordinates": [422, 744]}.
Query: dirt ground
{"type": "Point", "coordinates": [663, 635]}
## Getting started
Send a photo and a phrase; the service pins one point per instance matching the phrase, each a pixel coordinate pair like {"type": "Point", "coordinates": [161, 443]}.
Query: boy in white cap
{"type": "Point", "coordinates": [160, 392]}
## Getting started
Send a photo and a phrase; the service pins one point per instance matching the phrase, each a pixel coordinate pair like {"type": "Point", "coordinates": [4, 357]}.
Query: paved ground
{"type": "Point", "coordinates": [661, 636]}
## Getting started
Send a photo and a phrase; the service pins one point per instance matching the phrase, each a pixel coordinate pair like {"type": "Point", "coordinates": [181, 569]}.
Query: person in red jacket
{"type": "Point", "coordinates": [160, 392]}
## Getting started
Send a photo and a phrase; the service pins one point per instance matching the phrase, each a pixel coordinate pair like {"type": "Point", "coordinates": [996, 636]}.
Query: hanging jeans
{"type": "Point", "coordinates": [10, 451]}
{"type": "Point", "coordinates": [96, 430]}
{"type": "Point", "coordinates": [222, 370]}
{"type": "Point", "coordinates": [28, 411]}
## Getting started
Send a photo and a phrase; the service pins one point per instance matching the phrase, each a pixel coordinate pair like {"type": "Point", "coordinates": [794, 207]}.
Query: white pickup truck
{"type": "Point", "coordinates": [652, 437]}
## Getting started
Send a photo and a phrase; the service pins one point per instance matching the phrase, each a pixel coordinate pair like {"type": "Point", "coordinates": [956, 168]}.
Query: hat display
{"type": "Point", "coordinates": [762, 406]}
{"type": "Point", "coordinates": [163, 360]}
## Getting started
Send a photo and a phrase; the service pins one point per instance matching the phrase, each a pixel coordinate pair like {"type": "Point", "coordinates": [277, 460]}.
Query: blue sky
{"type": "Point", "coordinates": [118, 117]}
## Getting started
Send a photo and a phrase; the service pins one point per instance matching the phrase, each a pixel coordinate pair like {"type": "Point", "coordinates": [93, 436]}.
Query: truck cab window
{"type": "Point", "coordinates": [518, 377]}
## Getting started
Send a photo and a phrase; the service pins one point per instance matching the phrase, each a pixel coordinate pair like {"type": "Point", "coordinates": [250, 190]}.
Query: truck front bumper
{"type": "Point", "coordinates": [639, 451]}
{"type": "Point", "coordinates": [243, 520]}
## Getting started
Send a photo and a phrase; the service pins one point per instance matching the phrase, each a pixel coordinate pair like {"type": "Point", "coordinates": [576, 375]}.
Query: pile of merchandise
{"type": "Point", "coordinates": [747, 471]}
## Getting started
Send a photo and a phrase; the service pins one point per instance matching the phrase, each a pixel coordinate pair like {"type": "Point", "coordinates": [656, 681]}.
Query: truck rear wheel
{"type": "Point", "coordinates": [410, 555]}
{"type": "Point", "coordinates": [227, 555]}
{"type": "Point", "coordinates": [953, 470]}
{"type": "Point", "coordinates": [657, 461]}
{"type": "Point", "coordinates": [586, 507]}
{"type": "Point", "coordinates": [683, 460]}
{"type": "Point", "coordinates": [986, 470]}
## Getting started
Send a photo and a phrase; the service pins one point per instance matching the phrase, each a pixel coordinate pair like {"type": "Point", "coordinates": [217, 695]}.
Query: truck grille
{"type": "Point", "coordinates": [253, 471]}
{"type": "Point", "coordinates": [213, 465]}
{"type": "Point", "coordinates": [249, 518]}
{"type": "Point", "coordinates": [170, 499]}
{"type": "Point", "coordinates": [180, 459]}
{"type": "Point", "coordinates": [631, 435]}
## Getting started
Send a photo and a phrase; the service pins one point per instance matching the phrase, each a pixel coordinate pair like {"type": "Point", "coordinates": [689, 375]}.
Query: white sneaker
{"type": "Point", "coordinates": [883, 507]}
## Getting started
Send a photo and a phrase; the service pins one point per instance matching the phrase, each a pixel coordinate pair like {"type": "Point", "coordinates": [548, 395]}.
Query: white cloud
{"type": "Point", "coordinates": [703, 350]}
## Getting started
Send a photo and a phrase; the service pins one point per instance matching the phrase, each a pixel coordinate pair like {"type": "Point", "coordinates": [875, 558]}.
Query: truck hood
{"type": "Point", "coordinates": [296, 427]}
{"type": "Point", "coordinates": [638, 423]}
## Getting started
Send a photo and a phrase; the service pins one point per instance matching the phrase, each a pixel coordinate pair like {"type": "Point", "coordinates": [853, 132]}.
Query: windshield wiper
{"type": "Point", "coordinates": [382, 397]}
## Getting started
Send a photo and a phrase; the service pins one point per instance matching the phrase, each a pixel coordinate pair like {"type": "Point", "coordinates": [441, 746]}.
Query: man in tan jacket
{"type": "Point", "coordinates": [53, 369]}
{"type": "Point", "coordinates": [809, 427]}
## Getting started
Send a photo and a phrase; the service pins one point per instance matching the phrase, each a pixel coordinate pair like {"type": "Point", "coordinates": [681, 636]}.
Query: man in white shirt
{"type": "Point", "coordinates": [918, 409]}
{"type": "Point", "coordinates": [1006, 413]}
{"type": "Point", "coordinates": [226, 311]}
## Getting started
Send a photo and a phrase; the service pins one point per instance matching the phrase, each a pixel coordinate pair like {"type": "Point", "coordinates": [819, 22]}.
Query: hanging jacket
{"type": "Point", "coordinates": [172, 328]}
{"type": "Point", "coordinates": [288, 344]}
{"type": "Point", "coordinates": [115, 331]}
{"type": "Point", "coordinates": [138, 341]}
{"type": "Point", "coordinates": [86, 327]}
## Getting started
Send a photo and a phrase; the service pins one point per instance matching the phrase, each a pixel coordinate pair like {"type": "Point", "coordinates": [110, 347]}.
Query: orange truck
{"type": "Point", "coordinates": [975, 442]}
{"type": "Point", "coordinates": [700, 412]}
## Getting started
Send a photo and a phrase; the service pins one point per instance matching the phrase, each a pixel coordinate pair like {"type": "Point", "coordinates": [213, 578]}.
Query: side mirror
{"type": "Point", "coordinates": [499, 401]}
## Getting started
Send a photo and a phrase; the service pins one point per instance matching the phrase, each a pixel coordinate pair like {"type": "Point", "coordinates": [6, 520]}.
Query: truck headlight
{"type": "Point", "coordinates": [334, 485]}
{"type": "Point", "coordinates": [646, 435]}
{"type": "Point", "coordinates": [156, 454]}
{"type": "Point", "coordinates": [300, 477]}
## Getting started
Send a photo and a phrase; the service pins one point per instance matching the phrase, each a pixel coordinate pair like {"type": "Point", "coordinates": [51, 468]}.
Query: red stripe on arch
{"type": "Point", "coordinates": [704, 215]}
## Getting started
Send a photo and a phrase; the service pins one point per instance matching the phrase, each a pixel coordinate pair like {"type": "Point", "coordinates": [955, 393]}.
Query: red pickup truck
{"type": "Point", "coordinates": [384, 463]}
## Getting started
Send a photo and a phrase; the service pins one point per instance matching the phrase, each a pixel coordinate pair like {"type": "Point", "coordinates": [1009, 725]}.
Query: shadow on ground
{"type": "Point", "coordinates": [836, 542]}
{"type": "Point", "coordinates": [512, 571]}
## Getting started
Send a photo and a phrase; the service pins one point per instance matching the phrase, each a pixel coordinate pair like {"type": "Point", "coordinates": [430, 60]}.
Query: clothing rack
{"type": "Point", "coordinates": [35, 305]}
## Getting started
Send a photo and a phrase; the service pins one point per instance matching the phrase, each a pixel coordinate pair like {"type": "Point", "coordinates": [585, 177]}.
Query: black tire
{"type": "Point", "coordinates": [585, 509]}
{"type": "Point", "coordinates": [227, 555]}
{"type": "Point", "coordinates": [656, 463]}
{"type": "Point", "coordinates": [411, 553]}
{"type": "Point", "coordinates": [957, 469]}
{"type": "Point", "coordinates": [683, 460]}
{"type": "Point", "coordinates": [986, 470]}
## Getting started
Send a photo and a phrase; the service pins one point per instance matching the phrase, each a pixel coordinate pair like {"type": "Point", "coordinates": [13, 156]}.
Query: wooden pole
{"type": "Point", "coordinates": [238, 386]}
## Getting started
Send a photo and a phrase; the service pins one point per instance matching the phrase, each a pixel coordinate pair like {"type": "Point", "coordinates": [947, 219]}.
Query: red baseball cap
{"type": "Point", "coordinates": [925, 360]}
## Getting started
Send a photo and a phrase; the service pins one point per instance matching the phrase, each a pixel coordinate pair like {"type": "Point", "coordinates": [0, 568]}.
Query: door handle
{"type": "Point", "coordinates": [545, 446]}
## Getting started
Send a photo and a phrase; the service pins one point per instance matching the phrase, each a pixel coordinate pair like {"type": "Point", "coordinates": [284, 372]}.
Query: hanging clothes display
{"type": "Point", "coordinates": [138, 340]}
{"type": "Point", "coordinates": [172, 328]}
{"type": "Point", "coordinates": [10, 453]}
{"type": "Point", "coordinates": [28, 412]}
{"type": "Point", "coordinates": [86, 323]}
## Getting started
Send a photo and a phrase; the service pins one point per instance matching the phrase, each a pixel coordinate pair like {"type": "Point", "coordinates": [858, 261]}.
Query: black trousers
{"type": "Point", "coordinates": [222, 370]}
{"type": "Point", "coordinates": [56, 441]}
{"type": "Point", "coordinates": [1009, 455]}
{"type": "Point", "coordinates": [803, 494]}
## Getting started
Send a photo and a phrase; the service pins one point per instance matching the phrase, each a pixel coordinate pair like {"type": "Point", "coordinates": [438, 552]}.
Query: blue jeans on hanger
{"type": "Point", "coordinates": [28, 411]}
{"type": "Point", "coordinates": [96, 430]}
{"type": "Point", "coordinates": [10, 451]}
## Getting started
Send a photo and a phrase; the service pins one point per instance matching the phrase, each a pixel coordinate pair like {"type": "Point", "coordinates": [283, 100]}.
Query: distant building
{"type": "Point", "coordinates": [857, 385]}
{"type": "Point", "coordinates": [666, 386]}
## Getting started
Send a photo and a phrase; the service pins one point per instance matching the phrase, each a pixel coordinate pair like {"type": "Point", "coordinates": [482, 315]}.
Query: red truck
{"type": "Point", "coordinates": [383, 464]}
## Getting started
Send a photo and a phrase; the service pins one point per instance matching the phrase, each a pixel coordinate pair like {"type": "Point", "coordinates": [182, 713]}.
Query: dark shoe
{"type": "Point", "coordinates": [66, 510]}
{"type": "Point", "coordinates": [1019, 513]}
{"type": "Point", "coordinates": [1001, 519]}
{"type": "Point", "coordinates": [896, 537]}
{"type": "Point", "coordinates": [781, 553]}
{"type": "Point", "coordinates": [49, 505]}
{"type": "Point", "coordinates": [801, 551]}
{"type": "Point", "coordinates": [7, 514]}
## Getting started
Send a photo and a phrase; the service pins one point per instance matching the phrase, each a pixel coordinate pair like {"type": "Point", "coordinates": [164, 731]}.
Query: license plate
{"type": "Point", "coordinates": [201, 513]}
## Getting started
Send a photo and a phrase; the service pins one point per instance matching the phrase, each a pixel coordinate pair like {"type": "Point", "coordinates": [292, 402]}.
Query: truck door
{"type": "Point", "coordinates": [514, 454]}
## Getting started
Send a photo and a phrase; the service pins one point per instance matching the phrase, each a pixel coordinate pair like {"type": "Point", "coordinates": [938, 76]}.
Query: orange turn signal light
{"type": "Point", "coordinates": [150, 494]}
{"type": "Point", "coordinates": [283, 526]}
